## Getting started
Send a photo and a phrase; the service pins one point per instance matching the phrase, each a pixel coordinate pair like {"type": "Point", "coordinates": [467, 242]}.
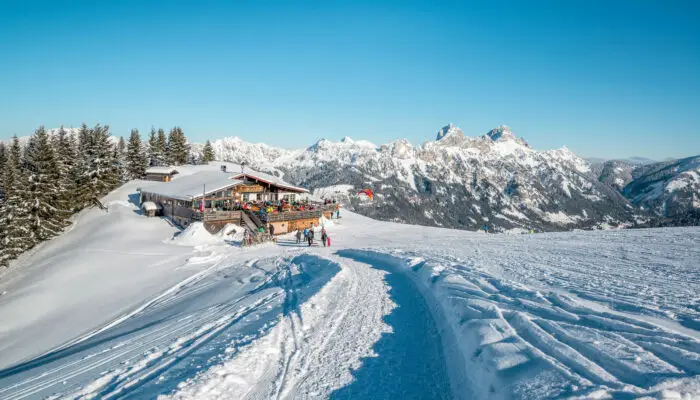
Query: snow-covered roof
{"type": "Point", "coordinates": [149, 206]}
{"type": "Point", "coordinates": [193, 186]}
{"type": "Point", "coordinates": [161, 170]}
{"type": "Point", "coordinates": [267, 178]}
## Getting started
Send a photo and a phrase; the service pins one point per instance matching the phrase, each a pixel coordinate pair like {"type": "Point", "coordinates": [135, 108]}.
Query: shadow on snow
{"type": "Point", "coordinates": [409, 361]}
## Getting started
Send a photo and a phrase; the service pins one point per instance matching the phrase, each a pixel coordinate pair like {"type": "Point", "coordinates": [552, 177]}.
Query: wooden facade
{"type": "Point", "coordinates": [160, 174]}
{"type": "Point", "coordinates": [183, 207]}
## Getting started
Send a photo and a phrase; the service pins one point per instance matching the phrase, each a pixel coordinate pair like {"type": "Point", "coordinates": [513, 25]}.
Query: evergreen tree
{"type": "Point", "coordinates": [29, 154]}
{"type": "Point", "coordinates": [3, 160]}
{"type": "Point", "coordinates": [99, 175]}
{"type": "Point", "coordinates": [163, 148]}
{"type": "Point", "coordinates": [120, 156]}
{"type": "Point", "coordinates": [47, 212]}
{"type": "Point", "coordinates": [17, 235]}
{"type": "Point", "coordinates": [178, 149]}
{"type": "Point", "coordinates": [136, 160]}
{"type": "Point", "coordinates": [65, 148]}
{"type": "Point", "coordinates": [155, 153]}
{"type": "Point", "coordinates": [84, 138]}
{"type": "Point", "coordinates": [208, 152]}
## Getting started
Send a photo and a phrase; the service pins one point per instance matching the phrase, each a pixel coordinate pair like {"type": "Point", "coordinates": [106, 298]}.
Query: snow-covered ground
{"type": "Point", "coordinates": [116, 308]}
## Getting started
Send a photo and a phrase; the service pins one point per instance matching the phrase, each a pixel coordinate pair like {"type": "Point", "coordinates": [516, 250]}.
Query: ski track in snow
{"type": "Point", "coordinates": [524, 343]}
{"type": "Point", "coordinates": [401, 312]}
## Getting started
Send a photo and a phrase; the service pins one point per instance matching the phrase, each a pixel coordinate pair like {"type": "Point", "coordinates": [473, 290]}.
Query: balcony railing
{"type": "Point", "coordinates": [209, 216]}
{"type": "Point", "coordinates": [291, 215]}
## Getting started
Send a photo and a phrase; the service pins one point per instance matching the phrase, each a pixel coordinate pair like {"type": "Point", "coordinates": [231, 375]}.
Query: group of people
{"type": "Point", "coordinates": [308, 236]}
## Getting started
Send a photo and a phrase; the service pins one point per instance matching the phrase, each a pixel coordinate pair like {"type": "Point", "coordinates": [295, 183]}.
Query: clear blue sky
{"type": "Point", "coordinates": [605, 78]}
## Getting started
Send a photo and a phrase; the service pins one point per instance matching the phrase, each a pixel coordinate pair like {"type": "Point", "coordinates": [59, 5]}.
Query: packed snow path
{"type": "Point", "coordinates": [391, 311]}
{"type": "Point", "coordinates": [260, 329]}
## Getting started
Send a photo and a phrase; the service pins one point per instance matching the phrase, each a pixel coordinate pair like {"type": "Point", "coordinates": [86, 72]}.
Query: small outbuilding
{"type": "Point", "coordinates": [151, 209]}
{"type": "Point", "coordinates": [160, 174]}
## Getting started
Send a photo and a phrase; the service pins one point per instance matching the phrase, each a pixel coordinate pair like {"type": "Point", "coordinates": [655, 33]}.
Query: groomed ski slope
{"type": "Point", "coordinates": [116, 308]}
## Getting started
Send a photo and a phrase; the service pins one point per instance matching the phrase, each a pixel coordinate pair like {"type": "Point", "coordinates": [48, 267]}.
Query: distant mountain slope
{"type": "Point", "coordinates": [670, 189]}
{"type": "Point", "coordinates": [617, 173]}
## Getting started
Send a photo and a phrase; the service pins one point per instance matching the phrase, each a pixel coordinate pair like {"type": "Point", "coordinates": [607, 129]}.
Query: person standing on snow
{"type": "Point", "coordinates": [306, 234]}
{"type": "Point", "coordinates": [298, 236]}
{"type": "Point", "coordinates": [486, 228]}
{"type": "Point", "coordinates": [311, 237]}
{"type": "Point", "coordinates": [324, 237]}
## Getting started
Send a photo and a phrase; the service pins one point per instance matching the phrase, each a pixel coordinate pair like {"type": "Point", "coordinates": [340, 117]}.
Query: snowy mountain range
{"type": "Point", "coordinates": [494, 179]}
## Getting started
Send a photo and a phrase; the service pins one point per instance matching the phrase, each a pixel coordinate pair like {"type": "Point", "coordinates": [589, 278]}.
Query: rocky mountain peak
{"type": "Point", "coordinates": [499, 132]}
{"type": "Point", "coordinates": [449, 131]}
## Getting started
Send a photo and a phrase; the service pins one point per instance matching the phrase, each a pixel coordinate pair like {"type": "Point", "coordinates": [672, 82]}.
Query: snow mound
{"type": "Point", "coordinates": [194, 235]}
{"type": "Point", "coordinates": [231, 232]}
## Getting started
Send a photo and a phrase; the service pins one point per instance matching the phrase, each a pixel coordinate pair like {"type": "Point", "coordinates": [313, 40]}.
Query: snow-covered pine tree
{"type": "Point", "coordinates": [178, 149]}
{"type": "Point", "coordinates": [153, 154]}
{"type": "Point", "coordinates": [207, 152]}
{"type": "Point", "coordinates": [47, 214]}
{"type": "Point", "coordinates": [17, 234]}
{"type": "Point", "coordinates": [3, 160]}
{"type": "Point", "coordinates": [120, 156]}
{"type": "Point", "coordinates": [29, 153]}
{"type": "Point", "coordinates": [162, 149]}
{"type": "Point", "coordinates": [99, 174]}
{"type": "Point", "coordinates": [136, 160]}
{"type": "Point", "coordinates": [84, 139]}
{"type": "Point", "coordinates": [65, 149]}
{"type": "Point", "coordinates": [105, 178]}
{"type": "Point", "coordinates": [83, 192]}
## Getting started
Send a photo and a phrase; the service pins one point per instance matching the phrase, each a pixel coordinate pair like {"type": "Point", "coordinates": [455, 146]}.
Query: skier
{"type": "Point", "coordinates": [306, 234]}
{"type": "Point", "coordinates": [298, 236]}
{"type": "Point", "coordinates": [486, 228]}
{"type": "Point", "coordinates": [311, 237]}
{"type": "Point", "coordinates": [329, 241]}
{"type": "Point", "coordinates": [324, 237]}
{"type": "Point", "coordinates": [337, 214]}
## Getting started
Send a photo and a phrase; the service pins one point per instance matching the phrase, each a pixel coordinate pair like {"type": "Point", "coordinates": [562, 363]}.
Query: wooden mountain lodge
{"type": "Point", "coordinates": [251, 199]}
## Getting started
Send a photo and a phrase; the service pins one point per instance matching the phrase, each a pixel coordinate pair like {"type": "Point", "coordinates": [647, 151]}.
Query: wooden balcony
{"type": "Point", "coordinates": [212, 216]}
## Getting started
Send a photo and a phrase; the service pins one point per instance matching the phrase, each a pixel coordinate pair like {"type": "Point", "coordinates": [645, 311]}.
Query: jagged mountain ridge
{"type": "Point", "coordinates": [455, 181]}
{"type": "Point", "coordinates": [670, 189]}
